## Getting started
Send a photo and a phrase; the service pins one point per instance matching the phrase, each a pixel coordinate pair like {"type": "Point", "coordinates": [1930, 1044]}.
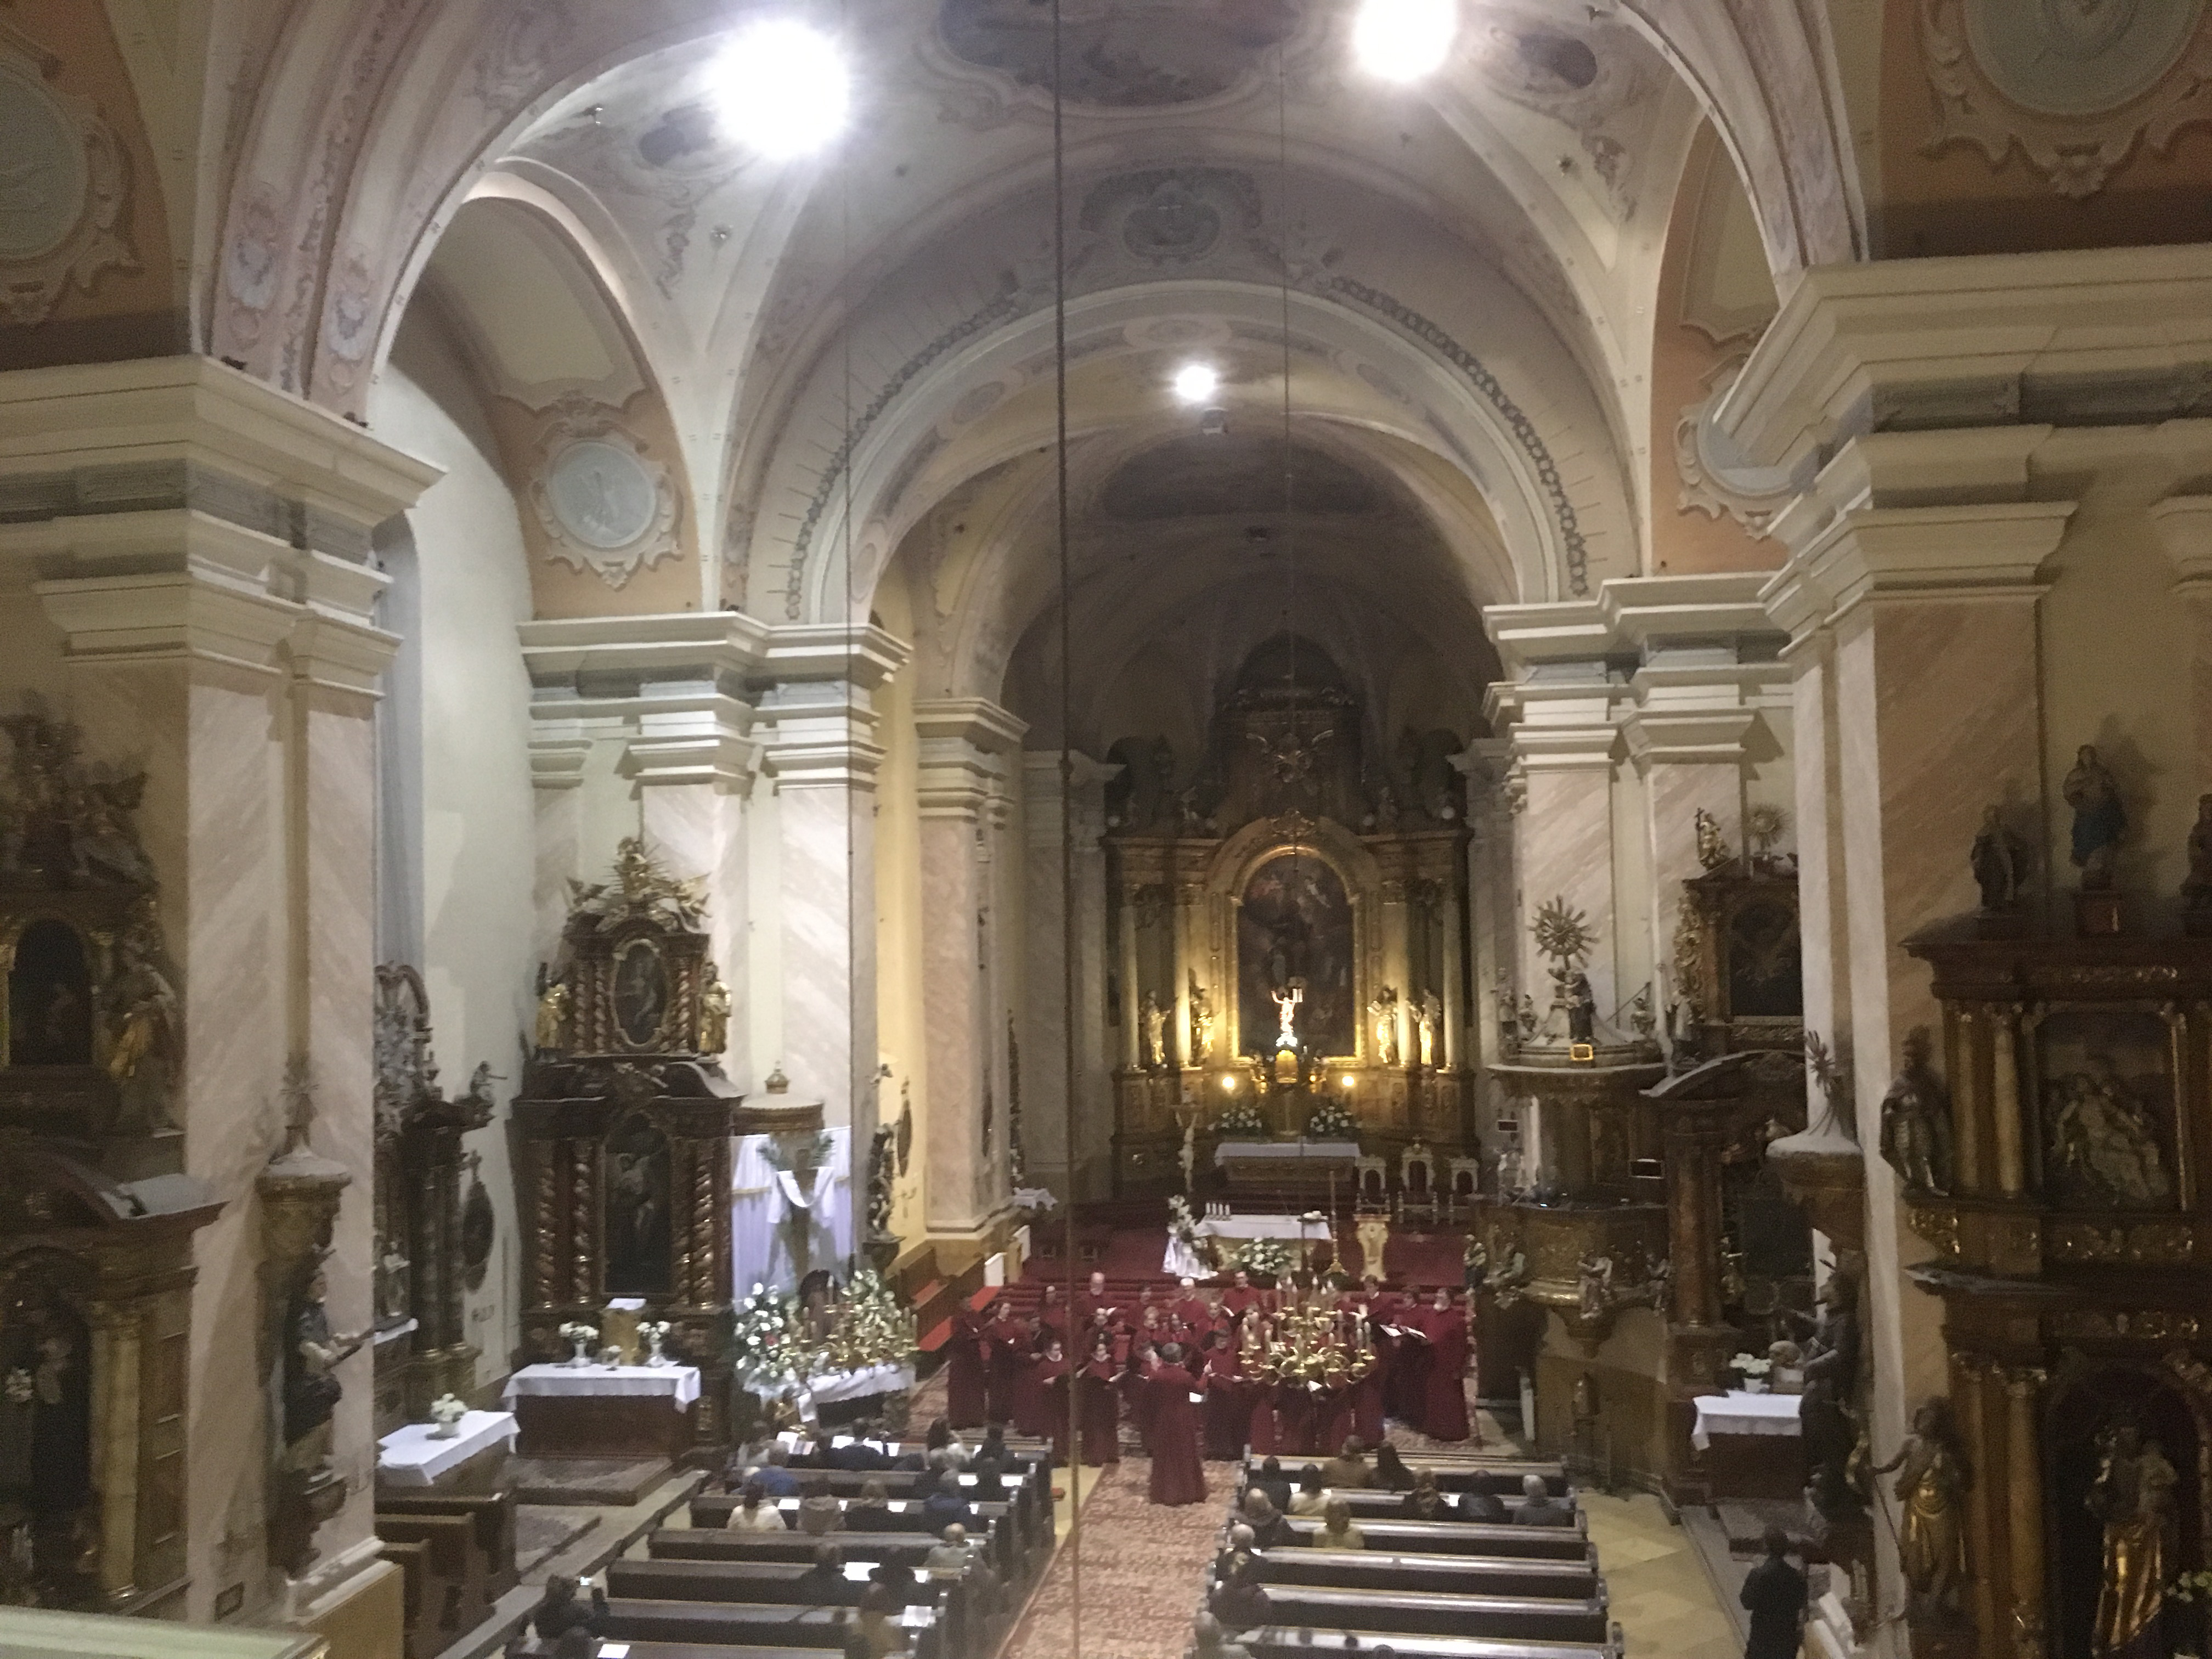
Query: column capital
{"type": "Point", "coordinates": [673, 689]}
{"type": "Point", "coordinates": [2184, 524]}
{"type": "Point", "coordinates": [964, 744]}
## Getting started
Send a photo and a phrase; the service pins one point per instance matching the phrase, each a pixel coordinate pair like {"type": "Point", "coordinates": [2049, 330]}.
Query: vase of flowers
{"type": "Point", "coordinates": [655, 1333]}
{"type": "Point", "coordinates": [1240, 1119]}
{"type": "Point", "coordinates": [1264, 1259]}
{"type": "Point", "coordinates": [1333, 1121]}
{"type": "Point", "coordinates": [582, 1336]}
{"type": "Point", "coordinates": [1753, 1369]}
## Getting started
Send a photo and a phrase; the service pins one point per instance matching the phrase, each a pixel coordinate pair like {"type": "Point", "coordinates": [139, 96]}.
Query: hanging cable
{"type": "Point", "coordinates": [1290, 500]}
{"type": "Point", "coordinates": [1072, 1357]}
{"type": "Point", "coordinates": [854, 1174]}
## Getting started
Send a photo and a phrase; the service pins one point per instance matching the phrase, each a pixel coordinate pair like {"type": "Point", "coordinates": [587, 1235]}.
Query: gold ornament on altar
{"type": "Point", "coordinates": [1562, 932]}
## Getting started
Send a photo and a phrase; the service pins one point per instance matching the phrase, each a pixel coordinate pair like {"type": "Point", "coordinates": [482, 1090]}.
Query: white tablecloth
{"type": "Point", "coordinates": [834, 1386]}
{"type": "Point", "coordinates": [1340, 1151]}
{"type": "Point", "coordinates": [1261, 1226]}
{"type": "Point", "coordinates": [1737, 1413]}
{"type": "Point", "coordinates": [680, 1383]}
{"type": "Point", "coordinates": [411, 1457]}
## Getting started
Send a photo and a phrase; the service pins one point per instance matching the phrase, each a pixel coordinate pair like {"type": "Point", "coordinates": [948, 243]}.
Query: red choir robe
{"type": "Point", "coordinates": [1236, 1303]}
{"type": "Point", "coordinates": [1100, 1403]}
{"type": "Point", "coordinates": [967, 1372]}
{"type": "Point", "coordinates": [1335, 1412]}
{"type": "Point", "coordinates": [1228, 1406]}
{"type": "Point", "coordinates": [1367, 1400]}
{"type": "Point", "coordinates": [1086, 1305]}
{"type": "Point", "coordinates": [1144, 1347]}
{"type": "Point", "coordinates": [1040, 1399]}
{"type": "Point", "coordinates": [1295, 1405]}
{"type": "Point", "coordinates": [1009, 1345]}
{"type": "Point", "coordinates": [1443, 1397]}
{"type": "Point", "coordinates": [1407, 1386]}
{"type": "Point", "coordinates": [1194, 1314]}
{"type": "Point", "coordinates": [1178, 1476]}
{"type": "Point", "coordinates": [1052, 1320]}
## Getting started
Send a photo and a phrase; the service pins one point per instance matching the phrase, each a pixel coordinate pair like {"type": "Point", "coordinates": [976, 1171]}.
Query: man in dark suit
{"type": "Point", "coordinates": [1775, 1594]}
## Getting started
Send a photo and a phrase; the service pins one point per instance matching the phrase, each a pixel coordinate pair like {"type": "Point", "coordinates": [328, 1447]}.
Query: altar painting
{"type": "Point", "coordinates": [1295, 923]}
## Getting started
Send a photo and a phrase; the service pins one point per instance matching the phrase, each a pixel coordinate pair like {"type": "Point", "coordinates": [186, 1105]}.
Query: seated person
{"type": "Point", "coordinates": [773, 1475]}
{"type": "Point", "coordinates": [1390, 1471]}
{"type": "Point", "coordinates": [1347, 1471]}
{"type": "Point", "coordinates": [1209, 1641]}
{"type": "Point", "coordinates": [1270, 1530]}
{"type": "Point", "coordinates": [871, 1511]}
{"type": "Point", "coordinates": [857, 1454]}
{"type": "Point", "coordinates": [878, 1626]}
{"type": "Point", "coordinates": [754, 1512]}
{"type": "Point", "coordinates": [1272, 1481]}
{"type": "Point", "coordinates": [1232, 1556]}
{"type": "Point", "coordinates": [819, 1511]}
{"type": "Point", "coordinates": [1482, 1505]}
{"type": "Point", "coordinates": [1312, 1493]}
{"type": "Point", "coordinates": [948, 1556]}
{"type": "Point", "coordinates": [560, 1612]}
{"type": "Point", "coordinates": [1240, 1604]}
{"type": "Point", "coordinates": [945, 1505]}
{"type": "Point", "coordinates": [1337, 1532]}
{"type": "Point", "coordinates": [1539, 1508]}
{"type": "Point", "coordinates": [1425, 1502]}
{"type": "Point", "coordinates": [822, 1583]}
{"type": "Point", "coordinates": [990, 1485]}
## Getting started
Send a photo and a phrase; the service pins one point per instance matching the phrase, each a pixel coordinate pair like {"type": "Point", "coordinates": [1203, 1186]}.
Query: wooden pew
{"type": "Point", "coordinates": [1436, 1613]}
{"type": "Point", "coordinates": [737, 1625]}
{"type": "Point", "coordinates": [793, 1545]}
{"type": "Point", "coordinates": [1372, 1569]}
{"type": "Point", "coordinates": [1301, 1642]}
{"type": "Point", "coordinates": [1502, 1475]}
{"type": "Point", "coordinates": [1030, 1492]}
{"type": "Point", "coordinates": [1465, 1538]}
{"type": "Point", "coordinates": [1009, 1554]}
{"type": "Point", "coordinates": [772, 1583]}
{"type": "Point", "coordinates": [453, 1599]}
{"type": "Point", "coordinates": [413, 1562]}
{"type": "Point", "coordinates": [491, 1515]}
{"type": "Point", "coordinates": [1368, 1504]}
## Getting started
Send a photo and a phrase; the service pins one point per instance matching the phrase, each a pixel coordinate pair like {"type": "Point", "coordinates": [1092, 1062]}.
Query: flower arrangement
{"type": "Point", "coordinates": [1183, 1225]}
{"type": "Point", "coordinates": [1333, 1121]}
{"type": "Point", "coordinates": [1754, 1369]}
{"type": "Point", "coordinates": [1260, 1257]}
{"type": "Point", "coordinates": [2191, 1586]}
{"type": "Point", "coordinates": [1240, 1117]}
{"type": "Point", "coordinates": [655, 1333]}
{"type": "Point", "coordinates": [765, 1342]}
{"type": "Point", "coordinates": [582, 1336]}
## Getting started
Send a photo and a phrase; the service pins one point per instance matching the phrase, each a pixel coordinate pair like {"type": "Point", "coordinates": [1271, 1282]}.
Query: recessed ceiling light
{"type": "Point", "coordinates": [1196, 383]}
{"type": "Point", "coordinates": [781, 88]}
{"type": "Point", "coordinates": [1404, 39]}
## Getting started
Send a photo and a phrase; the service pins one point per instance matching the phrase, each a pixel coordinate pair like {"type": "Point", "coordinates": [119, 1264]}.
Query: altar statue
{"type": "Point", "coordinates": [1286, 1002]}
{"type": "Point", "coordinates": [1153, 1021]}
{"type": "Point", "coordinates": [2099, 818]}
{"type": "Point", "coordinates": [1201, 1023]}
{"type": "Point", "coordinates": [312, 1392]}
{"type": "Point", "coordinates": [2133, 1496]}
{"type": "Point", "coordinates": [1383, 1010]}
{"type": "Point", "coordinates": [1428, 1015]}
{"type": "Point", "coordinates": [1931, 1485]}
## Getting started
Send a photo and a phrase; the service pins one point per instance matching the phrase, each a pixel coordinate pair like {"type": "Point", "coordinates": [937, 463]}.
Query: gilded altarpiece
{"type": "Point", "coordinates": [625, 1127]}
{"type": "Point", "coordinates": [95, 1217]}
{"type": "Point", "coordinates": [2055, 1169]}
{"type": "Point", "coordinates": [1298, 865]}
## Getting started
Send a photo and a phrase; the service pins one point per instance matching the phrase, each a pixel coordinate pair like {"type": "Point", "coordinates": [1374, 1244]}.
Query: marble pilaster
{"type": "Point", "coordinates": [1052, 937]}
{"type": "Point", "coordinates": [216, 619]}
{"type": "Point", "coordinates": [966, 746]}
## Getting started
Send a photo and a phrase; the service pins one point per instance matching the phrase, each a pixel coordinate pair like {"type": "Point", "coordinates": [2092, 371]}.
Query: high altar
{"type": "Point", "coordinates": [1289, 931]}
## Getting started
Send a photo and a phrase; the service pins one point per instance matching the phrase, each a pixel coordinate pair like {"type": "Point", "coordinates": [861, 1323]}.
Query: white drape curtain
{"type": "Point", "coordinates": [760, 1242]}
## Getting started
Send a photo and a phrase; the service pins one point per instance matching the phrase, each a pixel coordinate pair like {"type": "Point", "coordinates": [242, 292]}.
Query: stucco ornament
{"type": "Point", "coordinates": [606, 506]}
{"type": "Point", "coordinates": [1716, 477]}
{"type": "Point", "coordinates": [2075, 84]}
{"type": "Point", "coordinates": [63, 185]}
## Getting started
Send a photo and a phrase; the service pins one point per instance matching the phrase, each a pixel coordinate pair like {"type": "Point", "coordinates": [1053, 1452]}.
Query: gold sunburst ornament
{"type": "Point", "coordinates": [1563, 934]}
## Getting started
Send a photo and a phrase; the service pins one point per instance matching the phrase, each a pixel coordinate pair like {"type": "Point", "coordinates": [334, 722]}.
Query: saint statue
{"type": "Point", "coordinates": [1931, 1485]}
{"type": "Point", "coordinates": [1154, 1023]}
{"type": "Point", "coordinates": [1593, 1290]}
{"type": "Point", "coordinates": [395, 1297]}
{"type": "Point", "coordinates": [713, 1014]}
{"type": "Point", "coordinates": [1201, 1023]}
{"type": "Point", "coordinates": [1383, 1010]}
{"type": "Point", "coordinates": [1428, 1014]}
{"type": "Point", "coordinates": [553, 1018]}
{"type": "Point", "coordinates": [1916, 1120]}
{"type": "Point", "coordinates": [312, 1354]}
{"type": "Point", "coordinates": [2133, 1496]}
{"type": "Point", "coordinates": [1286, 1002]}
{"type": "Point", "coordinates": [2000, 861]}
{"type": "Point", "coordinates": [1581, 1005]}
{"type": "Point", "coordinates": [2099, 818]}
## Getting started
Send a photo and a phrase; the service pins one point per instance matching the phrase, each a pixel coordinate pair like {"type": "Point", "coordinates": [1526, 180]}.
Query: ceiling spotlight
{"type": "Point", "coordinates": [1404, 39]}
{"type": "Point", "coordinates": [1196, 383]}
{"type": "Point", "coordinates": [781, 88]}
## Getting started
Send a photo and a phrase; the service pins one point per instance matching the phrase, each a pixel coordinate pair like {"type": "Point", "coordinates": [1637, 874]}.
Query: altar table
{"type": "Point", "coordinates": [414, 1457]}
{"type": "Point", "coordinates": [1301, 1166]}
{"type": "Point", "coordinates": [1736, 1433]}
{"type": "Point", "coordinates": [1182, 1263]}
{"type": "Point", "coordinates": [603, 1411]}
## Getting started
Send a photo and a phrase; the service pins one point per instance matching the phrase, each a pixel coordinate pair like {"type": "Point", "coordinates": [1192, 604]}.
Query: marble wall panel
{"type": "Point", "coordinates": [1566, 852]}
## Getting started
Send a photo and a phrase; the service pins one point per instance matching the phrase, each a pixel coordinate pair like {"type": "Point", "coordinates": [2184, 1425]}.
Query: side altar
{"type": "Point", "coordinates": [624, 1123]}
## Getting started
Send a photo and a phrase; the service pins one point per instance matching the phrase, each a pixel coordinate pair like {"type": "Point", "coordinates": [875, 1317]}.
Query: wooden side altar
{"type": "Point", "coordinates": [625, 1123]}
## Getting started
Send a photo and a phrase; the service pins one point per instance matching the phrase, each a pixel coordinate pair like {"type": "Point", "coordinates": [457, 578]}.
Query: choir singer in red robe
{"type": "Point", "coordinates": [1100, 1402]}
{"type": "Point", "coordinates": [966, 1371]}
{"type": "Point", "coordinates": [1178, 1476]}
{"type": "Point", "coordinates": [1443, 1394]}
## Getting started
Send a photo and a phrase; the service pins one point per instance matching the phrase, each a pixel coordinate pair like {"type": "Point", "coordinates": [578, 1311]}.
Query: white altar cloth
{"type": "Point", "coordinates": [832, 1386]}
{"type": "Point", "coordinates": [1738, 1413]}
{"type": "Point", "coordinates": [1340, 1151]}
{"type": "Point", "coordinates": [410, 1456]}
{"type": "Point", "coordinates": [1181, 1262]}
{"type": "Point", "coordinates": [680, 1383]}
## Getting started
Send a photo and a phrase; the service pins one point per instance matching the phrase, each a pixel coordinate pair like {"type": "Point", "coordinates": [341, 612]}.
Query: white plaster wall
{"type": "Point", "coordinates": [900, 1029]}
{"type": "Point", "coordinates": [479, 922]}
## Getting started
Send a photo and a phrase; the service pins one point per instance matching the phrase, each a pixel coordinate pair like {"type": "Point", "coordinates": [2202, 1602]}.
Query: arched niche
{"type": "Point", "coordinates": [1244, 862]}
